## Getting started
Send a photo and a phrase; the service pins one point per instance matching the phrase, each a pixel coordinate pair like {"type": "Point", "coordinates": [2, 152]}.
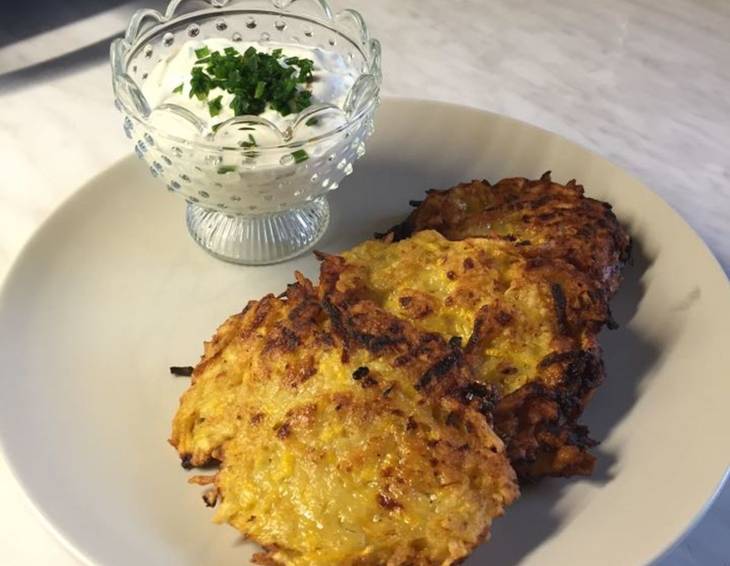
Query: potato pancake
{"type": "Point", "coordinates": [522, 328]}
{"type": "Point", "coordinates": [343, 436]}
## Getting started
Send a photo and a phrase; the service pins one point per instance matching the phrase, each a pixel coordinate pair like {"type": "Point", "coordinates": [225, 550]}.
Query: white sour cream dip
{"type": "Point", "coordinates": [333, 78]}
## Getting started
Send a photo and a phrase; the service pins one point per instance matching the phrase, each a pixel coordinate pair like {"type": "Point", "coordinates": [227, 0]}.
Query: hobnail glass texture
{"type": "Point", "coordinates": [249, 206]}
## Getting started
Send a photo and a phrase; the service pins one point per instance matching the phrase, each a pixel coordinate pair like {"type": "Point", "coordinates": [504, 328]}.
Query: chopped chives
{"type": "Point", "coordinates": [300, 155]}
{"type": "Point", "coordinates": [202, 52]}
{"type": "Point", "coordinates": [215, 106]}
{"type": "Point", "coordinates": [260, 88]}
{"type": "Point", "coordinates": [255, 79]}
{"type": "Point", "coordinates": [250, 143]}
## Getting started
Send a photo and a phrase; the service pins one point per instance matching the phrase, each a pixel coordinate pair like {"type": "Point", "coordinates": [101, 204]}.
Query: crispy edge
{"type": "Point", "coordinates": [541, 205]}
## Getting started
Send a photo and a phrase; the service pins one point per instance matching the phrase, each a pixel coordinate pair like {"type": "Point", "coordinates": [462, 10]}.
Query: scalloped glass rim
{"type": "Point", "coordinates": [137, 34]}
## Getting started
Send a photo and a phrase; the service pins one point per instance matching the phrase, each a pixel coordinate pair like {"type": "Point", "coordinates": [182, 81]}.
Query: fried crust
{"type": "Point", "coordinates": [343, 434]}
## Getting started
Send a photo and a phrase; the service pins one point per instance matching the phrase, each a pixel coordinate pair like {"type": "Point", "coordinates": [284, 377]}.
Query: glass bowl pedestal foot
{"type": "Point", "coordinates": [258, 239]}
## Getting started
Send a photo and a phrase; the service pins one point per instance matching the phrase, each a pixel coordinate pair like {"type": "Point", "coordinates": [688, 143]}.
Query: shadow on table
{"type": "Point", "coordinates": [28, 19]}
{"type": "Point", "coordinates": [535, 517]}
{"type": "Point", "coordinates": [89, 55]}
{"type": "Point", "coordinates": [22, 20]}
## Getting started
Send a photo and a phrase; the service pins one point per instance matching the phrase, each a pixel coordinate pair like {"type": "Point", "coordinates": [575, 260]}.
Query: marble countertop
{"type": "Point", "coordinates": [646, 84]}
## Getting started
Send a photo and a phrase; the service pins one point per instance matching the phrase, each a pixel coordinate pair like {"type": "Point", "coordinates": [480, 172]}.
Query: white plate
{"type": "Point", "coordinates": [111, 291]}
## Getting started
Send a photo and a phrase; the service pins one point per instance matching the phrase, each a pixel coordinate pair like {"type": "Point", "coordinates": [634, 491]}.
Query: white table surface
{"type": "Point", "coordinates": [646, 84]}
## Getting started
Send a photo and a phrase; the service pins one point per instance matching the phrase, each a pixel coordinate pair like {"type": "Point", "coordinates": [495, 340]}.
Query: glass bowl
{"type": "Point", "coordinates": [249, 205]}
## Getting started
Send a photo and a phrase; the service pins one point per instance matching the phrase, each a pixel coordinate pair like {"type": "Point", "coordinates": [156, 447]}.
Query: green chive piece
{"type": "Point", "coordinates": [202, 52]}
{"type": "Point", "coordinates": [300, 155]}
{"type": "Point", "coordinates": [215, 106]}
{"type": "Point", "coordinates": [223, 169]}
{"type": "Point", "coordinates": [260, 87]}
{"type": "Point", "coordinates": [178, 89]}
{"type": "Point", "coordinates": [200, 84]}
{"type": "Point", "coordinates": [250, 143]}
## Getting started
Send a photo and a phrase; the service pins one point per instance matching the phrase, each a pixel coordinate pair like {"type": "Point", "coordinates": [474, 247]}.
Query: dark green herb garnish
{"type": "Point", "coordinates": [260, 89]}
{"type": "Point", "coordinates": [215, 106]}
{"type": "Point", "coordinates": [300, 155]}
{"type": "Point", "coordinates": [178, 89]}
{"type": "Point", "coordinates": [255, 80]}
{"type": "Point", "coordinates": [223, 169]}
{"type": "Point", "coordinates": [313, 121]}
{"type": "Point", "coordinates": [200, 84]}
{"type": "Point", "coordinates": [250, 143]}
